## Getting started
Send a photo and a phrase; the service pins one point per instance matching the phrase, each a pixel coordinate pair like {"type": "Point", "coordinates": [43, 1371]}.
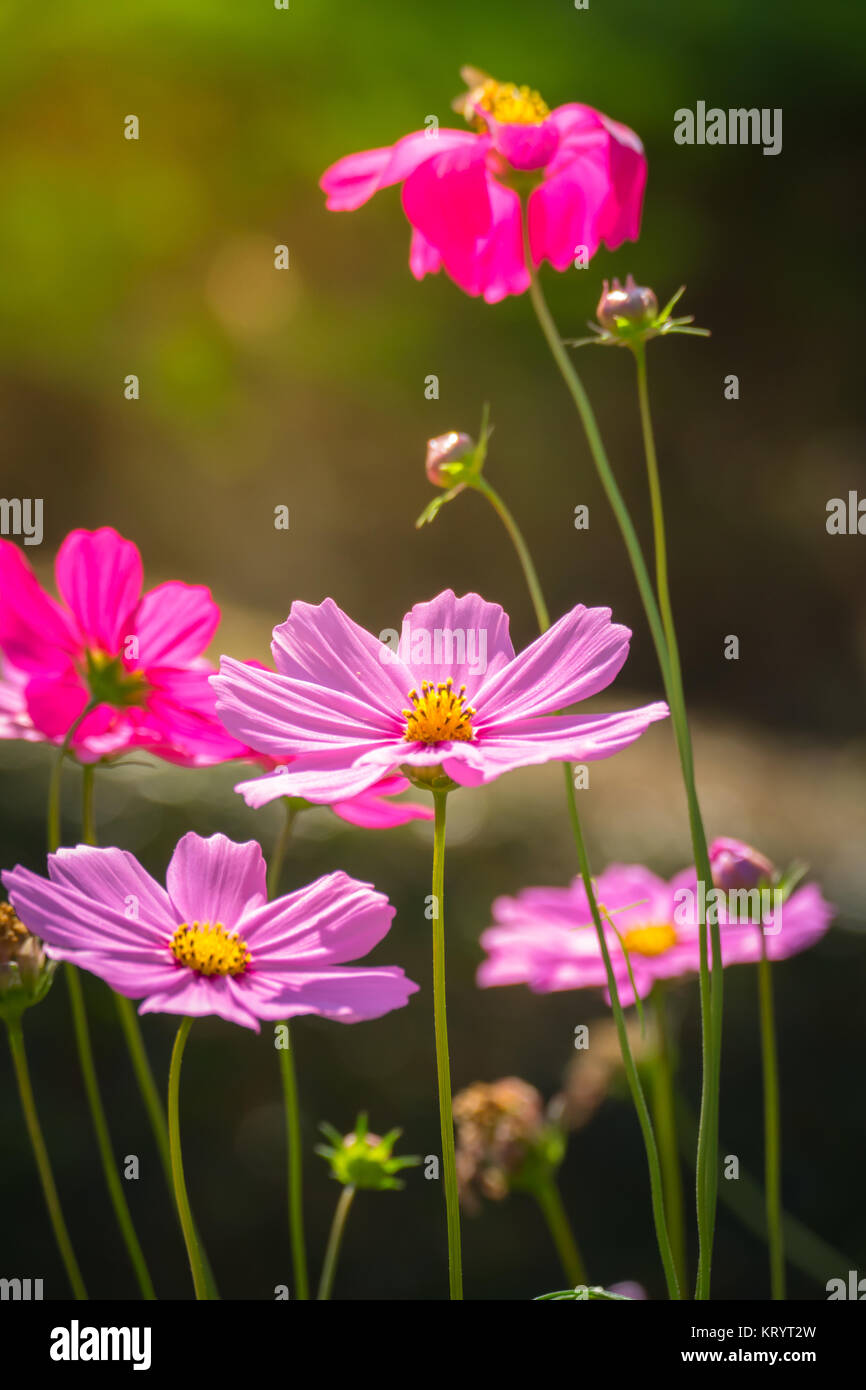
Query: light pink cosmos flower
{"type": "Point", "coordinates": [545, 937]}
{"type": "Point", "coordinates": [453, 695]}
{"type": "Point", "coordinates": [373, 809]}
{"type": "Point", "coordinates": [586, 171]}
{"type": "Point", "coordinates": [139, 654]}
{"type": "Point", "coordinates": [210, 942]}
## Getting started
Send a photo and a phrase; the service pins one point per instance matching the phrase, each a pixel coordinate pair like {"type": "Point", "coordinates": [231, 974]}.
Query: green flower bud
{"type": "Point", "coordinates": [636, 304]}
{"type": "Point", "coordinates": [443, 452]}
{"type": "Point", "coordinates": [364, 1160]}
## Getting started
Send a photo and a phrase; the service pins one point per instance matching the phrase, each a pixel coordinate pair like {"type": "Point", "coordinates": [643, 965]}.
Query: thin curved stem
{"type": "Point", "coordinates": [43, 1162]}
{"type": "Point", "coordinates": [196, 1262]}
{"type": "Point", "coordinates": [549, 1199]}
{"type": "Point", "coordinates": [103, 1138]}
{"type": "Point", "coordinates": [711, 985]}
{"type": "Point", "coordinates": [772, 1127]}
{"type": "Point", "coordinates": [278, 854]}
{"type": "Point", "coordinates": [338, 1226]}
{"type": "Point", "coordinates": [53, 826]}
{"type": "Point", "coordinates": [443, 1063]}
{"type": "Point", "coordinates": [635, 1087]}
{"type": "Point", "coordinates": [296, 1173]}
{"type": "Point", "coordinates": [664, 1114]}
{"type": "Point", "coordinates": [711, 995]}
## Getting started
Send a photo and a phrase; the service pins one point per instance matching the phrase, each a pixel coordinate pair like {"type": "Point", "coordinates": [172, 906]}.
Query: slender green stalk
{"type": "Point", "coordinates": [549, 1198]}
{"type": "Point", "coordinates": [43, 1162]}
{"type": "Point", "coordinates": [443, 1064]}
{"type": "Point", "coordinates": [278, 855]}
{"type": "Point", "coordinates": [103, 1138]}
{"type": "Point", "coordinates": [656, 1186]}
{"type": "Point", "coordinates": [296, 1173]}
{"type": "Point", "coordinates": [338, 1225]}
{"type": "Point", "coordinates": [196, 1263]}
{"type": "Point", "coordinates": [53, 826]}
{"type": "Point", "coordinates": [772, 1127]}
{"type": "Point", "coordinates": [711, 1006]}
{"type": "Point", "coordinates": [711, 986]}
{"type": "Point", "coordinates": [664, 1114]}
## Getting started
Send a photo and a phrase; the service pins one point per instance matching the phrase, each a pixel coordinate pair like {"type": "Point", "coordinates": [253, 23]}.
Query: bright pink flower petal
{"type": "Point", "coordinates": [36, 635]}
{"type": "Point", "coordinates": [199, 996]}
{"type": "Point", "coordinates": [447, 201]}
{"type": "Point", "coordinates": [99, 576]}
{"type": "Point", "coordinates": [424, 259]}
{"type": "Point", "coordinates": [354, 179]}
{"type": "Point", "coordinates": [347, 994]}
{"type": "Point", "coordinates": [174, 624]}
{"type": "Point", "coordinates": [373, 811]}
{"type": "Point", "coordinates": [319, 644]}
{"type": "Point", "coordinates": [215, 880]}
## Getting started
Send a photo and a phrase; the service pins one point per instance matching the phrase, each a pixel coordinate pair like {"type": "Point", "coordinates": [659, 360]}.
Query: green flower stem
{"type": "Point", "coordinates": [294, 1147]}
{"type": "Point", "coordinates": [40, 1153]}
{"type": "Point", "coordinates": [131, 1027]}
{"type": "Point", "coordinates": [772, 1128]}
{"type": "Point", "coordinates": [664, 1114]}
{"type": "Point", "coordinates": [103, 1138]}
{"type": "Point", "coordinates": [711, 1005]}
{"type": "Point", "coordinates": [278, 855]}
{"type": "Point", "coordinates": [338, 1226]}
{"type": "Point", "coordinates": [634, 1083]}
{"type": "Point", "coordinates": [53, 827]}
{"type": "Point", "coordinates": [443, 1064]}
{"type": "Point", "coordinates": [549, 1199]}
{"type": "Point", "coordinates": [805, 1250]}
{"type": "Point", "coordinates": [196, 1262]}
{"type": "Point", "coordinates": [711, 985]}
{"type": "Point", "coordinates": [296, 1172]}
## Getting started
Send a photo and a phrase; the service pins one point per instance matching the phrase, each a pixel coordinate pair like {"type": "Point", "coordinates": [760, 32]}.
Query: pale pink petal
{"type": "Point", "coordinates": [321, 645]}
{"type": "Point", "coordinates": [331, 921]}
{"type": "Point", "coordinates": [465, 638]}
{"type": "Point", "coordinates": [215, 880]}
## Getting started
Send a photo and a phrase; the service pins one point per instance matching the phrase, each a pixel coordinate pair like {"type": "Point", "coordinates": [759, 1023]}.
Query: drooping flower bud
{"type": "Point", "coordinates": [504, 1139]}
{"type": "Point", "coordinates": [736, 865]}
{"type": "Point", "coordinates": [364, 1160]}
{"type": "Point", "coordinates": [447, 449]}
{"type": "Point", "coordinates": [25, 971]}
{"type": "Point", "coordinates": [636, 304]}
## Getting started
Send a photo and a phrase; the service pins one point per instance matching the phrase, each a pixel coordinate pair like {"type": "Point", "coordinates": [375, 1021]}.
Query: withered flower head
{"type": "Point", "coordinates": [25, 971]}
{"type": "Point", "coordinates": [502, 1135]}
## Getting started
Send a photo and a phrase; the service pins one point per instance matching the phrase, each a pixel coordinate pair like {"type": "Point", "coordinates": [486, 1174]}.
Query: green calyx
{"type": "Point", "coordinates": [364, 1160]}
{"type": "Point", "coordinates": [110, 683]}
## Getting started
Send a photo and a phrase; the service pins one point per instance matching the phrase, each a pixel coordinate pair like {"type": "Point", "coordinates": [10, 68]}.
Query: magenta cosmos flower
{"type": "Point", "coordinates": [453, 695]}
{"type": "Point", "coordinates": [545, 937]}
{"type": "Point", "coordinates": [210, 942]}
{"type": "Point", "coordinates": [586, 173]}
{"type": "Point", "coordinates": [138, 655]}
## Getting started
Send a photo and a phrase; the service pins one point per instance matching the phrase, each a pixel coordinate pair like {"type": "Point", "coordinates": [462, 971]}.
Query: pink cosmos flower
{"type": "Point", "coordinates": [545, 937]}
{"type": "Point", "coordinates": [373, 809]}
{"type": "Point", "coordinates": [210, 942]}
{"type": "Point", "coordinates": [587, 174]}
{"type": "Point", "coordinates": [452, 696]}
{"type": "Point", "coordinates": [139, 655]}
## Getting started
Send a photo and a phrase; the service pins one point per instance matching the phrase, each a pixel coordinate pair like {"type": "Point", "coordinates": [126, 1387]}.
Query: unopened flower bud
{"type": "Point", "coordinates": [364, 1160]}
{"type": "Point", "coordinates": [736, 865]}
{"type": "Point", "coordinates": [445, 449]}
{"type": "Point", "coordinates": [25, 971]}
{"type": "Point", "coordinates": [636, 304]}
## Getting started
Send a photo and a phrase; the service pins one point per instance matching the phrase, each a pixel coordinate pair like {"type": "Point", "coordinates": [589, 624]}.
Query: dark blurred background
{"type": "Point", "coordinates": [306, 388]}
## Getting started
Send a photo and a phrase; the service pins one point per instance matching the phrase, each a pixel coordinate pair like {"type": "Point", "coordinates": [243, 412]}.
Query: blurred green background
{"type": "Point", "coordinates": [306, 388]}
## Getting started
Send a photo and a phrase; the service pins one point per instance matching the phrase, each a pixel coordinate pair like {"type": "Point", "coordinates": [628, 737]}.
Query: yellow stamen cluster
{"type": "Point", "coordinates": [209, 949]}
{"type": "Point", "coordinates": [438, 714]}
{"type": "Point", "coordinates": [510, 104]}
{"type": "Point", "coordinates": [650, 941]}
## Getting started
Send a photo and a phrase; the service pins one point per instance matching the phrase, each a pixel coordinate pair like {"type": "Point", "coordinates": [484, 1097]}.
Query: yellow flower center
{"type": "Point", "coordinates": [510, 104]}
{"type": "Point", "coordinates": [439, 713]}
{"type": "Point", "coordinates": [209, 949]}
{"type": "Point", "coordinates": [650, 941]}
